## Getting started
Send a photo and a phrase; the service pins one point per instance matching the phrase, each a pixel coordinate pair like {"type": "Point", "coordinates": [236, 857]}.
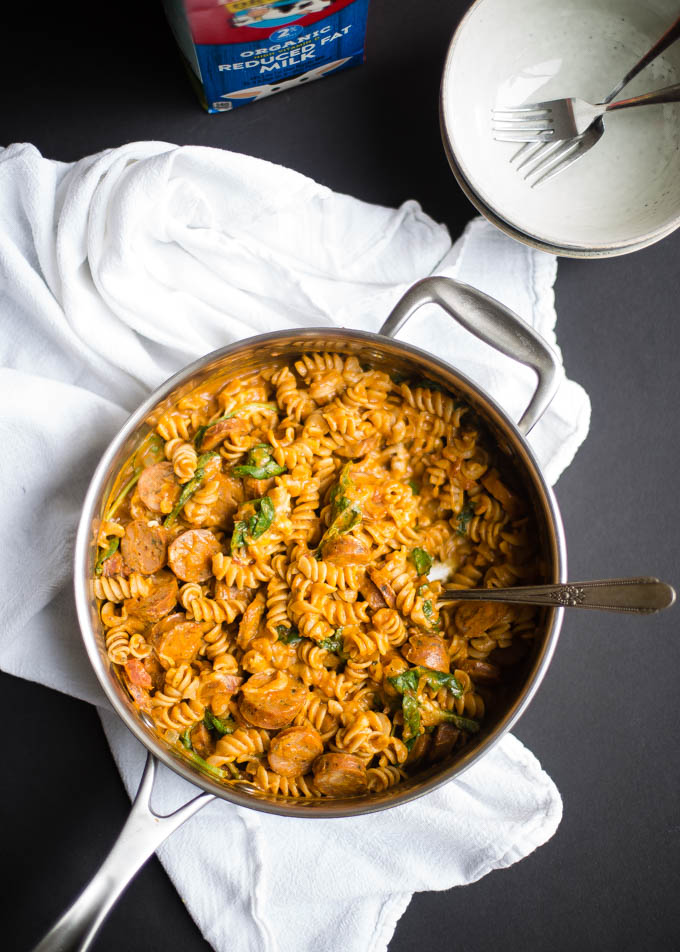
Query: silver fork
{"type": "Point", "coordinates": [546, 159]}
{"type": "Point", "coordinates": [565, 118]}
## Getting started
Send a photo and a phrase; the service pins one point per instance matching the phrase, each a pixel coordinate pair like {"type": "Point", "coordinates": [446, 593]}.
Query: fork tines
{"type": "Point", "coordinates": [540, 161]}
{"type": "Point", "coordinates": [513, 124]}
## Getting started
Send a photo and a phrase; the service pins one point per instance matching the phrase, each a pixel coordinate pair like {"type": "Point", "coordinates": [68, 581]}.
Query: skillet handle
{"type": "Point", "coordinates": [495, 324]}
{"type": "Point", "coordinates": [143, 832]}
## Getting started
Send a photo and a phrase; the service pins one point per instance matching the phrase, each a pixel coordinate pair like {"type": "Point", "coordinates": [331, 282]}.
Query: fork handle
{"type": "Point", "coordinates": [638, 596]}
{"type": "Point", "coordinates": [670, 36]}
{"type": "Point", "coordinates": [668, 94]}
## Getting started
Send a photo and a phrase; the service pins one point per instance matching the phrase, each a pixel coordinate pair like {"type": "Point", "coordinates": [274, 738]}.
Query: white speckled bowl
{"type": "Point", "coordinates": [625, 193]}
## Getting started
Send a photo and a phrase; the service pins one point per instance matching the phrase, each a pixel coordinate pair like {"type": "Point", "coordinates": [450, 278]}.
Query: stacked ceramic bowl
{"type": "Point", "coordinates": [624, 193]}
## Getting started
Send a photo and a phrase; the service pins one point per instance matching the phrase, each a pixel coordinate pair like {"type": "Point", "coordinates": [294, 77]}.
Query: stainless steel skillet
{"type": "Point", "coordinates": [488, 320]}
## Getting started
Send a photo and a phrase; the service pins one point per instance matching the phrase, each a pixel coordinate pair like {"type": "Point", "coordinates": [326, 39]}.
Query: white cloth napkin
{"type": "Point", "coordinates": [114, 272]}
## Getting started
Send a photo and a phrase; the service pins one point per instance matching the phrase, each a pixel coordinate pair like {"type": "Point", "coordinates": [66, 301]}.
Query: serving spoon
{"type": "Point", "coordinates": [640, 596]}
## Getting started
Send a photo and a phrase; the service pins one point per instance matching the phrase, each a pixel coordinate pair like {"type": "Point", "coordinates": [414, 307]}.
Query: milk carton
{"type": "Point", "coordinates": [240, 51]}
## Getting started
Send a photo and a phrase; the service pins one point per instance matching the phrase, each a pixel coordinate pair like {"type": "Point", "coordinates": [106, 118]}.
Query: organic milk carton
{"type": "Point", "coordinates": [240, 51]}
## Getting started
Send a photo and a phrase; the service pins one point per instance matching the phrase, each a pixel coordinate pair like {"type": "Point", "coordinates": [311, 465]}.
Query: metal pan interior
{"type": "Point", "coordinates": [390, 356]}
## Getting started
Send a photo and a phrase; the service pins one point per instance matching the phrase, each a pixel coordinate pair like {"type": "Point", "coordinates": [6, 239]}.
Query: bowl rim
{"type": "Point", "coordinates": [464, 179]}
{"type": "Point", "coordinates": [320, 808]}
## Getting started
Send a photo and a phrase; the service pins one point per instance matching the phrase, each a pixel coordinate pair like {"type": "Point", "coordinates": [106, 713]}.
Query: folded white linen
{"type": "Point", "coordinates": [114, 272]}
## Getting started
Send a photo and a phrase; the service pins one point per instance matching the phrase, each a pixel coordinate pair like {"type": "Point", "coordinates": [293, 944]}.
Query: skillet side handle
{"type": "Point", "coordinates": [496, 325]}
{"type": "Point", "coordinates": [143, 832]}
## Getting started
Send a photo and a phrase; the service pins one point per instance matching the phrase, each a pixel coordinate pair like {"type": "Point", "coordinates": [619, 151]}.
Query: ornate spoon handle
{"type": "Point", "coordinates": [642, 596]}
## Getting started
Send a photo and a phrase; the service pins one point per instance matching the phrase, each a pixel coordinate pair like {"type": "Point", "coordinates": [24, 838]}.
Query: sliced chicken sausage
{"type": "Point", "coordinates": [144, 547]}
{"type": "Point", "coordinates": [201, 741]}
{"type": "Point", "coordinates": [190, 555]}
{"type": "Point", "coordinates": [176, 640]}
{"type": "Point", "coordinates": [271, 699]}
{"type": "Point", "coordinates": [428, 651]}
{"type": "Point", "coordinates": [218, 433]}
{"type": "Point", "coordinates": [481, 671]}
{"type": "Point", "coordinates": [293, 751]}
{"type": "Point", "coordinates": [158, 487]}
{"type": "Point", "coordinates": [444, 739]}
{"type": "Point", "coordinates": [340, 775]}
{"type": "Point", "coordinates": [229, 499]}
{"type": "Point", "coordinates": [159, 602]}
{"type": "Point", "coordinates": [345, 551]}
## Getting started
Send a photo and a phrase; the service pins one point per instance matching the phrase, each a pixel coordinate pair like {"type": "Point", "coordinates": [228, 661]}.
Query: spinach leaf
{"type": "Point", "coordinates": [335, 643]}
{"type": "Point", "coordinates": [465, 723]}
{"type": "Point", "coordinates": [345, 514]}
{"type": "Point", "coordinates": [411, 711]}
{"type": "Point", "coordinates": [256, 526]}
{"type": "Point", "coordinates": [406, 684]}
{"type": "Point", "coordinates": [226, 726]}
{"type": "Point", "coordinates": [190, 487]}
{"type": "Point", "coordinates": [422, 560]}
{"type": "Point", "coordinates": [238, 538]}
{"type": "Point", "coordinates": [114, 542]}
{"type": "Point", "coordinates": [428, 612]}
{"type": "Point", "coordinates": [260, 463]}
{"type": "Point", "coordinates": [464, 518]}
{"type": "Point", "coordinates": [217, 772]}
{"type": "Point", "coordinates": [289, 636]}
{"type": "Point", "coordinates": [338, 494]}
{"type": "Point", "coordinates": [200, 433]}
{"type": "Point", "coordinates": [245, 408]}
{"type": "Point", "coordinates": [259, 523]}
{"type": "Point", "coordinates": [409, 680]}
{"type": "Point", "coordinates": [185, 738]}
{"type": "Point", "coordinates": [406, 681]}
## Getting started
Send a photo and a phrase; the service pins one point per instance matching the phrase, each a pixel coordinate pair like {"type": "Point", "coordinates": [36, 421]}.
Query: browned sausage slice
{"type": "Point", "coordinates": [230, 593]}
{"type": "Point", "coordinates": [428, 651]}
{"type": "Point", "coordinates": [293, 751]}
{"type": "Point", "coordinates": [138, 674]}
{"type": "Point", "coordinates": [345, 551]}
{"type": "Point", "coordinates": [444, 739]}
{"type": "Point", "coordinates": [250, 623]}
{"type": "Point", "coordinates": [138, 694]}
{"type": "Point", "coordinates": [481, 670]}
{"type": "Point", "coordinates": [201, 741]}
{"type": "Point", "coordinates": [340, 775]}
{"type": "Point", "coordinates": [472, 619]}
{"type": "Point", "coordinates": [176, 640]}
{"type": "Point", "coordinates": [158, 487]}
{"type": "Point", "coordinates": [159, 602]}
{"type": "Point", "coordinates": [256, 488]}
{"type": "Point", "coordinates": [190, 555]}
{"type": "Point", "coordinates": [382, 583]}
{"type": "Point", "coordinates": [218, 433]}
{"type": "Point", "coordinates": [144, 547]}
{"type": "Point", "coordinates": [420, 747]}
{"type": "Point", "coordinates": [155, 671]}
{"type": "Point", "coordinates": [114, 565]}
{"type": "Point", "coordinates": [230, 498]}
{"type": "Point", "coordinates": [371, 593]}
{"type": "Point", "coordinates": [271, 699]}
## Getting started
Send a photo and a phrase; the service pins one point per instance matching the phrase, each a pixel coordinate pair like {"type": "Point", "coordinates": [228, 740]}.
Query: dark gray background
{"type": "Point", "coordinates": [78, 78]}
